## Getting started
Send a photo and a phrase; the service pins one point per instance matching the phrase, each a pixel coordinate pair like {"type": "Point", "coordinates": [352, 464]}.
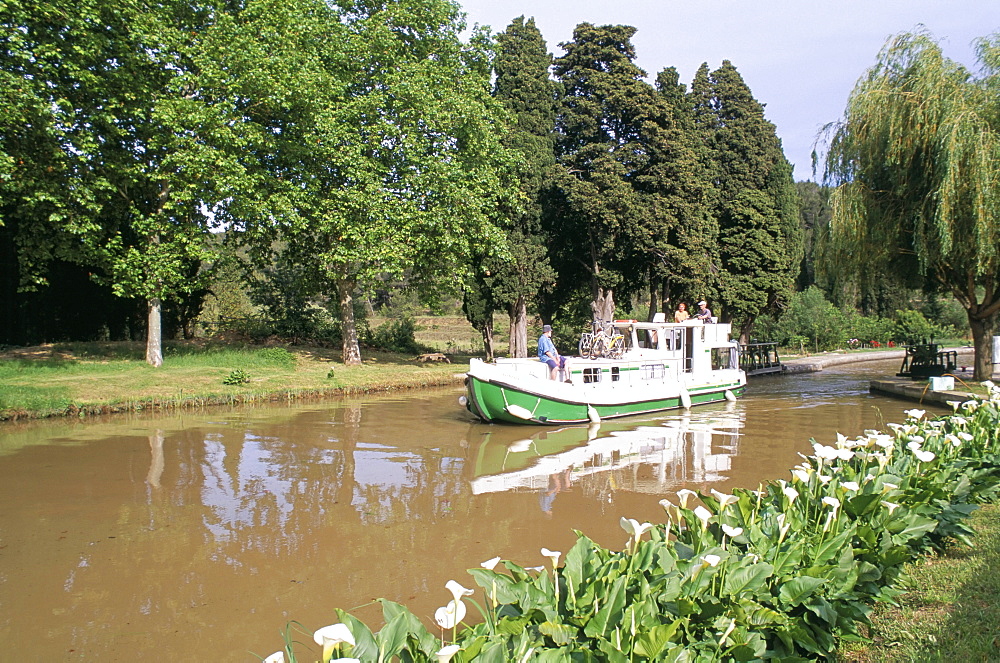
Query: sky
{"type": "Point", "coordinates": [800, 58]}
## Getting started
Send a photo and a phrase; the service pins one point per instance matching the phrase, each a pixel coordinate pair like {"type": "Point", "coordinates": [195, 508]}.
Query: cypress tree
{"type": "Point", "coordinates": [611, 127]}
{"type": "Point", "coordinates": [524, 87]}
{"type": "Point", "coordinates": [757, 206]}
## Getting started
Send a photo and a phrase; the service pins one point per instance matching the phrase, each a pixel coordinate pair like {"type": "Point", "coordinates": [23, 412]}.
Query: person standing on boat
{"type": "Point", "coordinates": [704, 313]}
{"type": "Point", "coordinates": [681, 314]}
{"type": "Point", "coordinates": [548, 354]}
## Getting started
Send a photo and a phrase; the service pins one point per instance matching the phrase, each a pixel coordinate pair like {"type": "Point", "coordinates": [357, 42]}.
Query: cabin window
{"type": "Point", "coordinates": [615, 374]}
{"type": "Point", "coordinates": [591, 375]}
{"type": "Point", "coordinates": [722, 358]}
{"type": "Point", "coordinates": [652, 371]}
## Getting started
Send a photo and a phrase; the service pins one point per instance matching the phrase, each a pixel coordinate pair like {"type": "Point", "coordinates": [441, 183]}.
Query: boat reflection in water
{"type": "Point", "coordinates": [600, 459]}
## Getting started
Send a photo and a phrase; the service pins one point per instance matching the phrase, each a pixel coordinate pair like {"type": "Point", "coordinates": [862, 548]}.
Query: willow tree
{"type": "Point", "coordinates": [916, 159]}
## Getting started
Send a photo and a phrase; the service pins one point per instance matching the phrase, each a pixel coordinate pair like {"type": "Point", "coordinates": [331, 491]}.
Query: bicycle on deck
{"type": "Point", "coordinates": [603, 341]}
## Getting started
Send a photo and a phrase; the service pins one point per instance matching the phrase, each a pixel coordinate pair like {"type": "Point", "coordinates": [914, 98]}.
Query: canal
{"type": "Point", "coordinates": [199, 535]}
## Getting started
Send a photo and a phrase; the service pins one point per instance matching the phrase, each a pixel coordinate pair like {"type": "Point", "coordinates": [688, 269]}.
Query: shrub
{"type": "Point", "coordinates": [913, 327]}
{"type": "Point", "coordinates": [237, 377]}
{"type": "Point", "coordinates": [396, 336]}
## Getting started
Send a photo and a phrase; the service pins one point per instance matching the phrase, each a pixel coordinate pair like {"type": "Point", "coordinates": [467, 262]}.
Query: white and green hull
{"type": "Point", "coordinates": [645, 380]}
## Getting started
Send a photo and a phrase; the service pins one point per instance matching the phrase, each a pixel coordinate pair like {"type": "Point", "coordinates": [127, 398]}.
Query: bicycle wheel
{"type": "Point", "coordinates": [599, 348]}
{"type": "Point", "coordinates": [586, 343]}
{"type": "Point", "coordinates": [617, 347]}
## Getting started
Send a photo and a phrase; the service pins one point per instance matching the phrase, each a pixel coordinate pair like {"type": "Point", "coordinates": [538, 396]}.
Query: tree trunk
{"type": "Point", "coordinates": [154, 333]}
{"type": "Point", "coordinates": [982, 341]}
{"type": "Point", "coordinates": [745, 330]}
{"type": "Point", "coordinates": [603, 306]}
{"type": "Point", "coordinates": [345, 295]}
{"type": "Point", "coordinates": [653, 299]}
{"type": "Point", "coordinates": [518, 312]}
{"type": "Point", "coordinates": [488, 338]}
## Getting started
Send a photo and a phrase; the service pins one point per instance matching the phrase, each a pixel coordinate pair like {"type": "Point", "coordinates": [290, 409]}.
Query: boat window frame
{"type": "Point", "coordinates": [723, 358]}
{"type": "Point", "coordinates": [654, 371]}
{"type": "Point", "coordinates": [591, 374]}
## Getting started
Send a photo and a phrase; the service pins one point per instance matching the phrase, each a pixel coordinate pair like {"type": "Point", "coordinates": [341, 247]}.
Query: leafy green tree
{"type": "Point", "coordinates": [109, 182]}
{"type": "Point", "coordinates": [372, 139]}
{"type": "Point", "coordinates": [916, 159]}
{"type": "Point", "coordinates": [759, 234]}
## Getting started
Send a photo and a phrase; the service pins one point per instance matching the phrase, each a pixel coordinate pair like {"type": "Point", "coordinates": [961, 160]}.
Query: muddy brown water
{"type": "Point", "coordinates": [199, 536]}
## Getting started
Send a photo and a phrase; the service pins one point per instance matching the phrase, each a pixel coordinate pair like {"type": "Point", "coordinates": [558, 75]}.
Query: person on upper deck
{"type": "Point", "coordinates": [681, 314]}
{"type": "Point", "coordinates": [548, 354]}
{"type": "Point", "coordinates": [704, 313]}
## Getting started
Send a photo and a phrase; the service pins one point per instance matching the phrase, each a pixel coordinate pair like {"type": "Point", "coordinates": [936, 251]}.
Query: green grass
{"type": "Point", "coordinates": [951, 607]}
{"type": "Point", "coordinates": [97, 378]}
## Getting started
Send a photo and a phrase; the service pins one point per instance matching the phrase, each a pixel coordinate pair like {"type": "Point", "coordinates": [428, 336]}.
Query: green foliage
{"type": "Point", "coordinates": [237, 377]}
{"type": "Point", "coordinates": [781, 573]}
{"type": "Point", "coordinates": [811, 315]}
{"type": "Point", "coordinates": [396, 336]}
{"type": "Point", "coordinates": [276, 357]}
{"type": "Point", "coordinates": [916, 161]}
{"type": "Point", "coordinates": [759, 234]}
{"type": "Point", "coordinates": [913, 327]}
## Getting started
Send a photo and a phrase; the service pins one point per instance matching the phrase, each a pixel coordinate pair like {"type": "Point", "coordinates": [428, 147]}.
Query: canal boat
{"type": "Point", "coordinates": [631, 368]}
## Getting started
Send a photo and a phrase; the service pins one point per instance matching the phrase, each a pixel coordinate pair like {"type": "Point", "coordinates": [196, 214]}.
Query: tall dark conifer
{"type": "Point", "coordinates": [612, 127]}
{"type": "Point", "coordinates": [684, 248]}
{"type": "Point", "coordinates": [759, 234]}
{"type": "Point", "coordinates": [524, 86]}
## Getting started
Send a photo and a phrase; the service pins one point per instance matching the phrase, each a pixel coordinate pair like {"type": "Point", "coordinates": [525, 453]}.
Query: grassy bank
{"type": "Point", "coordinates": [79, 379]}
{"type": "Point", "coordinates": [950, 610]}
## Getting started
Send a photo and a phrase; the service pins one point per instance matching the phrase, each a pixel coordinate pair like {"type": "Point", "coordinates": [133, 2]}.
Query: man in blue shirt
{"type": "Point", "coordinates": [548, 354]}
{"type": "Point", "coordinates": [705, 313]}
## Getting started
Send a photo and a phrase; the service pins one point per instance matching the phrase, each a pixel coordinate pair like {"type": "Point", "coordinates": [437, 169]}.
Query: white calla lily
{"type": "Point", "coordinates": [335, 633]}
{"type": "Point", "coordinates": [724, 499]}
{"type": "Point", "coordinates": [801, 475]}
{"type": "Point", "coordinates": [924, 456]}
{"type": "Point", "coordinates": [732, 532]}
{"type": "Point", "coordinates": [791, 494]}
{"type": "Point", "coordinates": [704, 515]}
{"type": "Point", "coordinates": [683, 495]}
{"type": "Point", "coordinates": [850, 485]}
{"type": "Point", "coordinates": [450, 615]}
{"type": "Point", "coordinates": [276, 657]}
{"type": "Point", "coordinates": [831, 502]}
{"type": "Point", "coordinates": [457, 591]}
{"type": "Point", "coordinates": [889, 505]}
{"type": "Point", "coordinates": [332, 636]}
{"type": "Point", "coordinates": [552, 555]}
{"type": "Point", "coordinates": [824, 452]}
{"type": "Point", "coordinates": [490, 564]}
{"type": "Point", "coordinates": [634, 528]}
{"type": "Point", "coordinates": [915, 414]}
{"type": "Point", "coordinates": [711, 560]}
{"type": "Point", "coordinates": [445, 653]}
